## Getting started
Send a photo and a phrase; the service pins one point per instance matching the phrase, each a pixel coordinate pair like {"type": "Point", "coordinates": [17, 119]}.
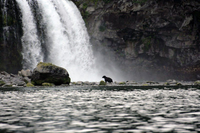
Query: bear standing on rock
{"type": "Point", "coordinates": [107, 79]}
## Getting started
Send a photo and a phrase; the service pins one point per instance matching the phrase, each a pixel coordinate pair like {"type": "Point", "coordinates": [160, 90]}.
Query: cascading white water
{"type": "Point", "coordinates": [66, 39]}
{"type": "Point", "coordinates": [31, 52]}
{"type": "Point", "coordinates": [77, 34]}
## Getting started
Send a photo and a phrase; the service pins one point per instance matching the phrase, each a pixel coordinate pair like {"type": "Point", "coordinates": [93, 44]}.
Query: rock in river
{"type": "Point", "coordinates": [50, 73]}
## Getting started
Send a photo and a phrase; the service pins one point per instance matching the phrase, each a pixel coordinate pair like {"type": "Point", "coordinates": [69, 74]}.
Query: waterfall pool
{"type": "Point", "coordinates": [99, 109]}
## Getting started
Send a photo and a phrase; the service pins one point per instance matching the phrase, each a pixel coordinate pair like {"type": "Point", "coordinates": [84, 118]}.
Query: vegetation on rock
{"type": "Point", "coordinates": [48, 84]}
{"type": "Point", "coordinates": [2, 83]}
{"type": "Point", "coordinates": [197, 82]}
{"type": "Point", "coordinates": [102, 82]}
{"type": "Point", "coordinates": [29, 85]}
{"type": "Point", "coordinates": [50, 73]}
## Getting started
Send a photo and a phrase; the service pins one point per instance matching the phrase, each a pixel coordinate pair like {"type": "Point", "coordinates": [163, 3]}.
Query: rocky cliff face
{"type": "Point", "coordinates": [10, 37]}
{"type": "Point", "coordinates": [150, 39]}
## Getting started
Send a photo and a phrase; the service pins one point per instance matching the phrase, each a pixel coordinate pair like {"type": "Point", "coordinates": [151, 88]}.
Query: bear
{"type": "Point", "coordinates": [107, 79]}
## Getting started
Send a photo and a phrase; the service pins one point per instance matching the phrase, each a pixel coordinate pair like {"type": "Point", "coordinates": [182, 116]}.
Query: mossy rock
{"type": "Point", "coordinates": [50, 73]}
{"type": "Point", "coordinates": [8, 85]}
{"type": "Point", "coordinates": [48, 84]}
{"type": "Point", "coordinates": [29, 85]}
{"type": "Point", "coordinates": [102, 82]}
{"type": "Point", "coordinates": [178, 84]}
{"type": "Point", "coordinates": [167, 83]}
{"type": "Point", "coordinates": [197, 82]}
{"type": "Point", "coordinates": [122, 83]}
{"type": "Point", "coordinates": [2, 83]}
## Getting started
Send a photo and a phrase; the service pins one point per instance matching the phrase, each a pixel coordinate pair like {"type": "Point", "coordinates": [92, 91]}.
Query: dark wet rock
{"type": "Point", "coordinates": [27, 80]}
{"type": "Point", "coordinates": [149, 40]}
{"type": "Point", "coordinates": [49, 73]}
{"type": "Point", "coordinates": [152, 82]}
{"type": "Point", "coordinates": [11, 79]}
{"type": "Point", "coordinates": [10, 37]}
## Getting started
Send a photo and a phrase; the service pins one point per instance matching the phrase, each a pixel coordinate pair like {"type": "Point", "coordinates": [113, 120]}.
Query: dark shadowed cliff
{"type": "Point", "coordinates": [150, 39]}
{"type": "Point", "coordinates": [146, 39]}
{"type": "Point", "coordinates": [10, 37]}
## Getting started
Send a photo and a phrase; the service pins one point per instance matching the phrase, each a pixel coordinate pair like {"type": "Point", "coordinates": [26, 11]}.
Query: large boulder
{"type": "Point", "coordinates": [49, 73]}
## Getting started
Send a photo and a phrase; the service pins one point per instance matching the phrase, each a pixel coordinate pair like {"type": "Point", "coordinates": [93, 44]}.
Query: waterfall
{"type": "Point", "coordinates": [66, 41]}
{"type": "Point", "coordinates": [31, 51]}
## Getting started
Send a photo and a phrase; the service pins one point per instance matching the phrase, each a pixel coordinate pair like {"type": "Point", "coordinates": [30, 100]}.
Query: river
{"type": "Point", "coordinates": [99, 109]}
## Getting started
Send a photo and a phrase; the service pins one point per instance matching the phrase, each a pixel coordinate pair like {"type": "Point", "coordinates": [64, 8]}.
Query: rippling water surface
{"type": "Point", "coordinates": [99, 109]}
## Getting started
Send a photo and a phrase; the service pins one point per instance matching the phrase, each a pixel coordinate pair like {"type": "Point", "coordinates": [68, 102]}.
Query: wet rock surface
{"type": "Point", "coordinates": [49, 73]}
{"type": "Point", "coordinates": [10, 37]}
{"type": "Point", "coordinates": [11, 80]}
{"type": "Point", "coordinates": [150, 40]}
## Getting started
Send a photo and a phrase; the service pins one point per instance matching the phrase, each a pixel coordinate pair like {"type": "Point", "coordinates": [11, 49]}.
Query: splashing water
{"type": "Point", "coordinates": [66, 39]}
{"type": "Point", "coordinates": [31, 52]}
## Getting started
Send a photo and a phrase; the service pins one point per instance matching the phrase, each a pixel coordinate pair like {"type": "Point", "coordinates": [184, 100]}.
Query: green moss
{"type": "Point", "coordinates": [85, 15]}
{"type": "Point", "coordinates": [29, 85]}
{"type": "Point", "coordinates": [147, 43]}
{"type": "Point", "coordinates": [102, 28]}
{"type": "Point", "coordinates": [77, 3]}
{"type": "Point", "coordinates": [2, 83]}
{"type": "Point", "coordinates": [85, 5]}
{"type": "Point", "coordinates": [48, 84]}
{"type": "Point", "coordinates": [73, 83]}
{"type": "Point", "coordinates": [32, 82]}
{"type": "Point", "coordinates": [178, 84]}
{"type": "Point", "coordinates": [7, 85]}
{"type": "Point", "coordinates": [41, 64]}
{"type": "Point", "coordinates": [167, 83]}
{"type": "Point", "coordinates": [8, 20]}
{"type": "Point", "coordinates": [102, 82]}
{"type": "Point", "coordinates": [122, 83]}
{"type": "Point", "coordinates": [26, 81]}
{"type": "Point", "coordinates": [67, 80]}
{"type": "Point", "coordinates": [197, 82]}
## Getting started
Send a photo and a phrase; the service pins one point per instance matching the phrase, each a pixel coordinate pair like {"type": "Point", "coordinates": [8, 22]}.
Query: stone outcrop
{"type": "Point", "coordinates": [49, 73]}
{"type": "Point", "coordinates": [10, 37]}
{"type": "Point", "coordinates": [150, 39]}
{"type": "Point", "coordinates": [11, 80]}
